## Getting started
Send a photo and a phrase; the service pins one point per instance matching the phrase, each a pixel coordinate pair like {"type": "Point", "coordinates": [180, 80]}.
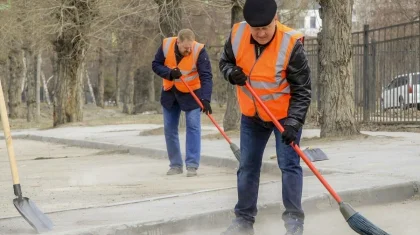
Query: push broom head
{"type": "Point", "coordinates": [358, 223]}
{"type": "Point", "coordinates": [236, 151]}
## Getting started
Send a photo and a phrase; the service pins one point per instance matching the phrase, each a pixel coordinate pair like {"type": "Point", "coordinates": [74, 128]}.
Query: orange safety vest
{"type": "Point", "coordinates": [187, 66]}
{"type": "Point", "coordinates": [267, 74]}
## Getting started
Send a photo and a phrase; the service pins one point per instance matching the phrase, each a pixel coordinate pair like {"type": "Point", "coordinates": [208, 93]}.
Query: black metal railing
{"type": "Point", "coordinates": [386, 73]}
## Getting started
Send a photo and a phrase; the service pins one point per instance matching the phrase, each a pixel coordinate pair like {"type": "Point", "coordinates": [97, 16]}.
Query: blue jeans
{"type": "Point", "coordinates": [254, 136]}
{"type": "Point", "coordinates": [193, 136]}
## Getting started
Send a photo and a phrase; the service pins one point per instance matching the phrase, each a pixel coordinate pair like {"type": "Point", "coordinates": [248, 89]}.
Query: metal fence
{"type": "Point", "coordinates": [386, 73]}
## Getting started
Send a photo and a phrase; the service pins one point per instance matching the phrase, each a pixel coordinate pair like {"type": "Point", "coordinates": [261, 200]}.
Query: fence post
{"type": "Point", "coordinates": [318, 79]}
{"type": "Point", "coordinates": [366, 113]}
{"type": "Point", "coordinates": [372, 78]}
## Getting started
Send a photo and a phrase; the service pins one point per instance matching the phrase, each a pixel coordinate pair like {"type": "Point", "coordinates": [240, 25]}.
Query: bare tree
{"type": "Point", "coordinates": [31, 84]}
{"type": "Point", "coordinates": [101, 81]}
{"type": "Point", "coordinates": [379, 13]}
{"type": "Point", "coordinates": [233, 114]}
{"type": "Point", "coordinates": [29, 48]}
{"type": "Point", "coordinates": [4, 75]}
{"type": "Point", "coordinates": [335, 53]}
{"type": "Point", "coordinates": [124, 31]}
{"type": "Point", "coordinates": [117, 79]}
{"type": "Point", "coordinates": [170, 17]}
{"type": "Point", "coordinates": [15, 74]}
{"type": "Point", "coordinates": [170, 22]}
{"type": "Point", "coordinates": [38, 85]}
{"type": "Point", "coordinates": [144, 95]}
{"type": "Point", "coordinates": [128, 100]}
{"type": "Point", "coordinates": [128, 95]}
{"type": "Point", "coordinates": [291, 12]}
{"type": "Point", "coordinates": [3, 79]}
{"type": "Point", "coordinates": [71, 42]}
{"type": "Point", "coordinates": [10, 46]}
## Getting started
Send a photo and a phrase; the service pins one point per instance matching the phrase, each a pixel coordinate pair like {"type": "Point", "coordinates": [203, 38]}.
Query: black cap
{"type": "Point", "coordinates": [259, 13]}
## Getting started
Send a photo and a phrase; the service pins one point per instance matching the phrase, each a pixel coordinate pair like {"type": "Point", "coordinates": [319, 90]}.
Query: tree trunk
{"type": "Point", "coordinates": [138, 96]}
{"type": "Point", "coordinates": [128, 107]}
{"type": "Point", "coordinates": [144, 95]}
{"type": "Point", "coordinates": [233, 114]}
{"type": "Point", "coordinates": [100, 95]}
{"type": "Point", "coordinates": [128, 95]}
{"type": "Point", "coordinates": [24, 75]}
{"type": "Point", "coordinates": [15, 78]}
{"type": "Point", "coordinates": [335, 53]}
{"type": "Point", "coordinates": [92, 95]}
{"type": "Point", "coordinates": [151, 87]}
{"type": "Point", "coordinates": [45, 86]}
{"type": "Point", "coordinates": [38, 86]}
{"type": "Point", "coordinates": [54, 65]}
{"type": "Point", "coordinates": [31, 85]}
{"type": "Point", "coordinates": [67, 109]}
{"type": "Point", "coordinates": [170, 20]}
{"type": "Point", "coordinates": [4, 83]}
{"type": "Point", "coordinates": [117, 80]}
{"type": "Point", "coordinates": [80, 96]}
{"type": "Point", "coordinates": [70, 45]}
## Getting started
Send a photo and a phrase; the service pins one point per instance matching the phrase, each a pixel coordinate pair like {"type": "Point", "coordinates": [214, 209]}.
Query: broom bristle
{"type": "Point", "coordinates": [363, 226]}
{"type": "Point", "coordinates": [236, 151]}
{"type": "Point", "coordinates": [238, 155]}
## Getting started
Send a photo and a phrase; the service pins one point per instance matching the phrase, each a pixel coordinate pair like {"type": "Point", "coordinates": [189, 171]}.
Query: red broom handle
{"type": "Point", "coordinates": [296, 147]}
{"type": "Point", "coordinates": [209, 115]}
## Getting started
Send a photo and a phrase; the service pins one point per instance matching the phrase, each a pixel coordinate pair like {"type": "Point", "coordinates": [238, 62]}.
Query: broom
{"type": "Point", "coordinates": [235, 149]}
{"type": "Point", "coordinates": [356, 221]}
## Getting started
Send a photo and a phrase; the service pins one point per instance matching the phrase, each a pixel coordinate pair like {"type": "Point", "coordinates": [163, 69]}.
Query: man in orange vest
{"type": "Point", "coordinates": [179, 58]}
{"type": "Point", "coordinates": [270, 56]}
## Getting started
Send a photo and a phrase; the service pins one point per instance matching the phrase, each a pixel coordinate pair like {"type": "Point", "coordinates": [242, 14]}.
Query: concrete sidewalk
{"type": "Point", "coordinates": [359, 165]}
{"type": "Point", "coordinates": [400, 219]}
{"type": "Point", "coordinates": [135, 214]}
{"type": "Point", "coordinates": [379, 152]}
{"type": "Point", "coordinates": [128, 135]}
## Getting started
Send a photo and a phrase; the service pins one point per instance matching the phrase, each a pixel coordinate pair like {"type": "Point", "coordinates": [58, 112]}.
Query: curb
{"type": "Point", "coordinates": [231, 163]}
{"type": "Point", "coordinates": [361, 197]}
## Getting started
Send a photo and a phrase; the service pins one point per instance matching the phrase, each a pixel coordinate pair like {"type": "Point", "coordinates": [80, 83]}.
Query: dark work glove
{"type": "Point", "coordinates": [207, 107]}
{"type": "Point", "coordinates": [237, 77]}
{"type": "Point", "coordinates": [175, 74]}
{"type": "Point", "coordinates": [289, 134]}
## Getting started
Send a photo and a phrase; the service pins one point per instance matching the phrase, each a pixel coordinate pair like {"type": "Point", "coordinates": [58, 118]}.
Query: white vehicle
{"type": "Point", "coordinates": [402, 92]}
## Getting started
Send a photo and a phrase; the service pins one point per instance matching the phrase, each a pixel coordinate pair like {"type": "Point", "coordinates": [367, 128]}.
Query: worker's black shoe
{"type": "Point", "coordinates": [239, 227]}
{"type": "Point", "coordinates": [295, 230]}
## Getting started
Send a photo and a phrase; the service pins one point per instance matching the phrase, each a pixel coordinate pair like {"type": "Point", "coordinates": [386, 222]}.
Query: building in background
{"type": "Point", "coordinates": [305, 19]}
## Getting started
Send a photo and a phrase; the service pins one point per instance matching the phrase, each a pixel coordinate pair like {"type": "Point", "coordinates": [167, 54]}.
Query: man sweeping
{"type": "Point", "coordinates": [271, 57]}
{"type": "Point", "coordinates": [183, 57]}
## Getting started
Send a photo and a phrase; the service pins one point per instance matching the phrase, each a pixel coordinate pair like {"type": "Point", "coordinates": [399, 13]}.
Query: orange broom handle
{"type": "Point", "coordinates": [209, 115]}
{"type": "Point", "coordinates": [296, 147]}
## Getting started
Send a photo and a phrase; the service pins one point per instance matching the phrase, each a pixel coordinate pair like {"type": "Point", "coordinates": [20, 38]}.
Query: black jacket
{"type": "Point", "coordinates": [298, 76]}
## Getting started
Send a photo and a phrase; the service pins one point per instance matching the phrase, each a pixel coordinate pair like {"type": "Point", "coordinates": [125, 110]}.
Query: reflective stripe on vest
{"type": "Point", "coordinates": [166, 46]}
{"type": "Point", "coordinates": [187, 66]}
{"type": "Point", "coordinates": [273, 90]}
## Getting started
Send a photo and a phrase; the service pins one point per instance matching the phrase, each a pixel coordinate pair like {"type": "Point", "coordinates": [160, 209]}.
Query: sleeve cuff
{"type": "Point", "coordinates": [293, 122]}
